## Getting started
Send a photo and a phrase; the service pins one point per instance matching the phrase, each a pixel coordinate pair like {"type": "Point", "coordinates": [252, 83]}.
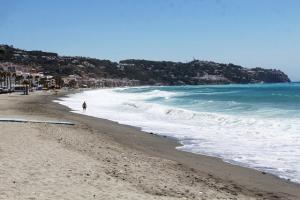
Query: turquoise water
{"type": "Point", "coordinates": [267, 100]}
{"type": "Point", "coordinates": [256, 126]}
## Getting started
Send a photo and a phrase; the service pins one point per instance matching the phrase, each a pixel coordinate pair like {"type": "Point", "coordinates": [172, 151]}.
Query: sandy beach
{"type": "Point", "coordinates": [100, 159]}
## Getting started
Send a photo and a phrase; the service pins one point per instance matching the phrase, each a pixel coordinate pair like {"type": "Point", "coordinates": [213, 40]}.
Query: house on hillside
{"type": "Point", "coordinates": [50, 82]}
{"type": "Point", "coordinates": [72, 81]}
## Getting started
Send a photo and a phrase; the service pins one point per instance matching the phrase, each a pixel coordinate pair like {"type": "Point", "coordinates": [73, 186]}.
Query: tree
{"type": "Point", "coordinates": [26, 84]}
{"type": "Point", "coordinates": [8, 80]}
{"type": "Point", "coordinates": [1, 78]}
{"type": "Point", "coordinates": [13, 75]}
{"type": "Point", "coordinates": [43, 82]}
{"type": "Point", "coordinates": [59, 82]}
{"type": "Point", "coordinates": [2, 53]}
{"type": "Point", "coordinates": [72, 83]}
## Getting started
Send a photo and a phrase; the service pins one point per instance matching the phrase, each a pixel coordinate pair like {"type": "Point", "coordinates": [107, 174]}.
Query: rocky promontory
{"type": "Point", "coordinates": [144, 71]}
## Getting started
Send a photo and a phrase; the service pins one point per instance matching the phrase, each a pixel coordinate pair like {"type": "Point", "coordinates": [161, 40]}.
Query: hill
{"type": "Point", "coordinates": [147, 72]}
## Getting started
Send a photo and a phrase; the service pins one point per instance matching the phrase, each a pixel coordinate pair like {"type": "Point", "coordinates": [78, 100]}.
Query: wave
{"type": "Point", "coordinates": [268, 144]}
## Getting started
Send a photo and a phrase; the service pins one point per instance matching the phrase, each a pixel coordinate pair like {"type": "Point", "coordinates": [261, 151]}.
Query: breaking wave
{"type": "Point", "coordinates": [255, 134]}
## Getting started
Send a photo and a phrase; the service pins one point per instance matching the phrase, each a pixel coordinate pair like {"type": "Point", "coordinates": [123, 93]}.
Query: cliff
{"type": "Point", "coordinates": [147, 72]}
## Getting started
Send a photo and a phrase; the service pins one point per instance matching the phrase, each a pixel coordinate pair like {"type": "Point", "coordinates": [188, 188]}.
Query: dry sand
{"type": "Point", "coordinates": [100, 159]}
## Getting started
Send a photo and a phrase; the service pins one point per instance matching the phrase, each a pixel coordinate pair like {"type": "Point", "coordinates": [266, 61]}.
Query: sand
{"type": "Point", "coordinates": [100, 159]}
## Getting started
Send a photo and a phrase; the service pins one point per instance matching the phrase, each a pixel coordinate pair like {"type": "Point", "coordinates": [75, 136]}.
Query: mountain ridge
{"type": "Point", "coordinates": [148, 72]}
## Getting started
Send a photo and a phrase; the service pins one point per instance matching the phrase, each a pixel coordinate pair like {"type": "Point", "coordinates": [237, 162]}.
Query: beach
{"type": "Point", "coordinates": [101, 159]}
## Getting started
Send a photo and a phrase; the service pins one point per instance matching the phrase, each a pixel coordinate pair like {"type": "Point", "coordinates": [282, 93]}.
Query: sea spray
{"type": "Point", "coordinates": [256, 126]}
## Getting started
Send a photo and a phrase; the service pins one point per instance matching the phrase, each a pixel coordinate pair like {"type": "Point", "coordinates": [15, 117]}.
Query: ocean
{"type": "Point", "coordinates": [255, 126]}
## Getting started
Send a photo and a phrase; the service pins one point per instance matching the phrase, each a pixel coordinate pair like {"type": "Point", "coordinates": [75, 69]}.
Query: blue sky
{"type": "Point", "coordinates": [252, 33]}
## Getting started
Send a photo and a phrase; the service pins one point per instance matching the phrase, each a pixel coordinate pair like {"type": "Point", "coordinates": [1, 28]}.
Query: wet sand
{"type": "Point", "coordinates": [100, 159]}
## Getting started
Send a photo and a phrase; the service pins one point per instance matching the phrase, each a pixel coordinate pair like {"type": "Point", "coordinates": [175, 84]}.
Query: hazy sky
{"type": "Point", "coordinates": [252, 33]}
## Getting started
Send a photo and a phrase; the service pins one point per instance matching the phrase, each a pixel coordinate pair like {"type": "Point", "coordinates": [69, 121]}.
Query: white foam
{"type": "Point", "coordinates": [267, 144]}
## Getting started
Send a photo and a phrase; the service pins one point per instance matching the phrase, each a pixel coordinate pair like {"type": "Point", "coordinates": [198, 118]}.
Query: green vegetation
{"type": "Point", "coordinates": [2, 53]}
{"type": "Point", "coordinates": [147, 72]}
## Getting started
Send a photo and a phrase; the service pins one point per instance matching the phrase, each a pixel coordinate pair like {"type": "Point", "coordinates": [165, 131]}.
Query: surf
{"type": "Point", "coordinates": [245, 125]}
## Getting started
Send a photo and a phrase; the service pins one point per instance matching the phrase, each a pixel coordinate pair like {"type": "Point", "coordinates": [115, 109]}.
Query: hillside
{"type": "Point", "coordinates": [147, 72]}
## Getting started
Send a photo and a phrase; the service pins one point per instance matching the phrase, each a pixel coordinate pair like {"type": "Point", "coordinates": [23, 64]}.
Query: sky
{"type": "Point", "coordinates": [251, 33]}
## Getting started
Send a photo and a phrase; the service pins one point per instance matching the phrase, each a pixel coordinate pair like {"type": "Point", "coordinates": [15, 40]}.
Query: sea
{"type": "Point", "coordinates": [255, 126]}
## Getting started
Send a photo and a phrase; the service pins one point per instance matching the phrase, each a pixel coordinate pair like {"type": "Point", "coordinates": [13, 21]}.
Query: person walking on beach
{"type": "Point", "coordinates": [84, 106]}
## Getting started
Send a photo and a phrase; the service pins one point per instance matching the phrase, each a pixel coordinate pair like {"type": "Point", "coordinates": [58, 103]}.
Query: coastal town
{"type": "Point", "coordinates": [18, 78]}
{"type": "Point", "coordinates": [149, 100]}
{"type": "Point", "coordinates": [23, 70]}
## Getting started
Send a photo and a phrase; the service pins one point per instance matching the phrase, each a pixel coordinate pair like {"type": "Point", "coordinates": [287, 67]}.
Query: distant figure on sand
{"type": "Point", "coordinates": [84, 106]}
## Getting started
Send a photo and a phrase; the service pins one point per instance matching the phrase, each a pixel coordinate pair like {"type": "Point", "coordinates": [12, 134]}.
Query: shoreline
{"type": "Point", "coordinates": [174, 142]}
{"type": "Point", "coordinates": [178, 142]}
{"type": "Point", "coordinates": [215, 174]}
